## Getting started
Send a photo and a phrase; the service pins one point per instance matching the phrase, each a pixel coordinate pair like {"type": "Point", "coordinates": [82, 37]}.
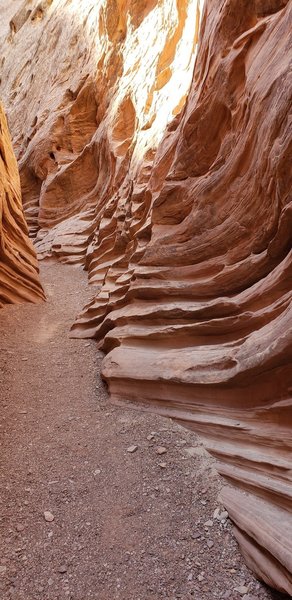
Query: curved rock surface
{"type": "Point", "coordinates": [19, 279]}
{"type": "Point", "coordinates": [190, 243]}
{"type": "Point", "coordinates": [89, 88]}
{"type": "Point", "coordinates": [195, 304]}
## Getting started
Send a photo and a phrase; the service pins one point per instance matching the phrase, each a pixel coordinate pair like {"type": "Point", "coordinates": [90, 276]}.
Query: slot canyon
{"type": "Point", "coordinates": [145, 166]}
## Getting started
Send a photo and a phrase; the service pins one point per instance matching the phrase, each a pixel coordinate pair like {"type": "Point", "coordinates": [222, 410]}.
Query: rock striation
{"type": "Point", "coordinates": [96, 84]}
{"type": "Point", "coordinates": [19, 279]}
{"type": "Point", "coordinates": [195, 306]}
{"type": "Point", "coordinates": [189, 236]}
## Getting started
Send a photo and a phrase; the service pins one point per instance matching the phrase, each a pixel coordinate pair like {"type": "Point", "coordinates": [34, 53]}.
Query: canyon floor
{"type": "Point", "coordinates": [126, 525]}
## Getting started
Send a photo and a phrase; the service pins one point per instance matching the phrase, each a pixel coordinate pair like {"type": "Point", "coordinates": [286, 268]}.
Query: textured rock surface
{"type": "Point", "coordinates": [96, 83]}
{"type": "Point", "coordinates": [19, 279]}
{"type": "Point", "coordinates": [191, 244]}
{"type": "Point", "coordinates": [195, 304]}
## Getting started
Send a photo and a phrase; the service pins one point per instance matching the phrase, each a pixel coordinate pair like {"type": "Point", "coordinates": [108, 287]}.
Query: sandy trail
{"type": "Point", "coordinates": [126, 526]}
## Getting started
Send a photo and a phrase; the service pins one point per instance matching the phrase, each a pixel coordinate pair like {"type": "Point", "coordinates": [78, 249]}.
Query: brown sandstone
{"type": "Point", "coordinates": [191, 242]}
{"type": "Point", "coordinates": [89, 93]}
{"type": "Point", "coordinates": [19, 279]}
{"type": "Point", "coordinates": [200, 326]}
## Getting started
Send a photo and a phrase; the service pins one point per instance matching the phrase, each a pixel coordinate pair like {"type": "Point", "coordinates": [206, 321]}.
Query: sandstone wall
{"type": "Point", "coordinates": [190, 243]}
{"type": "Point", "coordinates": [19, 280]}
{"type": "Point", "coordinates": [195, 305]}
{"type": "Point", "coordinates": [96, 83]}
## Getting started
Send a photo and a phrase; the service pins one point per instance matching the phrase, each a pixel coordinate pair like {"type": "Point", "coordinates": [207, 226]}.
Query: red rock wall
{"type": "Point", "coordinates": [195, 305]}
{"type": "Point", "coordinates": [95, 90]}
{"type": "Point", "coordinates": [19, 280]}
{"type": "Point", "coordinates": [190, 244]}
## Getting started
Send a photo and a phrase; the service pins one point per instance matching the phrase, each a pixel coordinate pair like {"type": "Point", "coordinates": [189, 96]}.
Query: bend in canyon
{"type": "Point", "coordinates": [168, 178]}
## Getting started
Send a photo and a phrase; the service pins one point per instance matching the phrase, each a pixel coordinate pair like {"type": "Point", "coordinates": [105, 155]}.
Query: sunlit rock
{"type": "Point", "coordinates": [195, 303]}
{"type": "Point", "coordinates": [96, 85]}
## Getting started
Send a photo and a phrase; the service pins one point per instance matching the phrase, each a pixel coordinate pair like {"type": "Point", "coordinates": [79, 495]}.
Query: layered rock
{"type": "Point", "coordinates": [195, 303]}
{"type": "Point", "coordinates": [19, 279]}
{"type": "Point", "coordinates": [96, 84]}
{"type": "Point", "coordinates": [190, 244]}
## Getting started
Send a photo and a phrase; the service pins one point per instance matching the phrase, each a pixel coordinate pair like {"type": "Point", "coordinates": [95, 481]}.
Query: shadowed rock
{"type": "Point", "coordinates": [19, 279]}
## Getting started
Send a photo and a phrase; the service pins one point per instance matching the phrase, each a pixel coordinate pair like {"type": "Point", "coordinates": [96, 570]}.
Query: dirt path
{"type": "Point", "coordinates": [127, 526]}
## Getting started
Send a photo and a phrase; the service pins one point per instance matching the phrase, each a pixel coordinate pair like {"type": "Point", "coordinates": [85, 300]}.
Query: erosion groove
{"type": "Point", "coordinates": [86, 131]}
{"type": "Point", "coordinates": [195, 306]}
{"type": "Point", "coordinates": [19, 279]}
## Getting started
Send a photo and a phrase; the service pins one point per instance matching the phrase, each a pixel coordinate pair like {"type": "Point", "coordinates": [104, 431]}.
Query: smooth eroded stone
{"type": "Point", "coordinates": [19, 280]}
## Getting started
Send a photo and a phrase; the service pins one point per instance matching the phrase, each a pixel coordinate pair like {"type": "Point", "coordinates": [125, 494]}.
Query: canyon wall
{"type": "Point", "coordinates": [19, 281]}
{"type": "Point", "coordinates": [89, 87]}
{"type": "Point", "coordinates": [188, 237]}
{"type": "Point", "coordinates": [195, 305]}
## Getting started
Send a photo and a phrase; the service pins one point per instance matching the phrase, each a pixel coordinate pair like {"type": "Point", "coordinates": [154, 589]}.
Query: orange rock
{"type": "Point", "coordinates": [195, 303]}
{"type": "Point", "coordinates": [88, 112]}
{"type": "Point", "coordinates": [19, 279]}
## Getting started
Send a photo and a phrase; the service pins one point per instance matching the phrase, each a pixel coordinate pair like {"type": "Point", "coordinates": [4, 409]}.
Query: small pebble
{"type": "Point", "coordinates": [62, 569]}
{"type": "Point", "coordinates": [161, 450]}
{"type": "Point", "coordinates": [224, 515]}
{"type": "Point", "coordinates": [208, 524]}
{"type": "Point", "coordinates": [241, 589]}
{"type": "Point", "coordinates": [49, 517]}
{"type": "Point", "coordinates": [132, 449]}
